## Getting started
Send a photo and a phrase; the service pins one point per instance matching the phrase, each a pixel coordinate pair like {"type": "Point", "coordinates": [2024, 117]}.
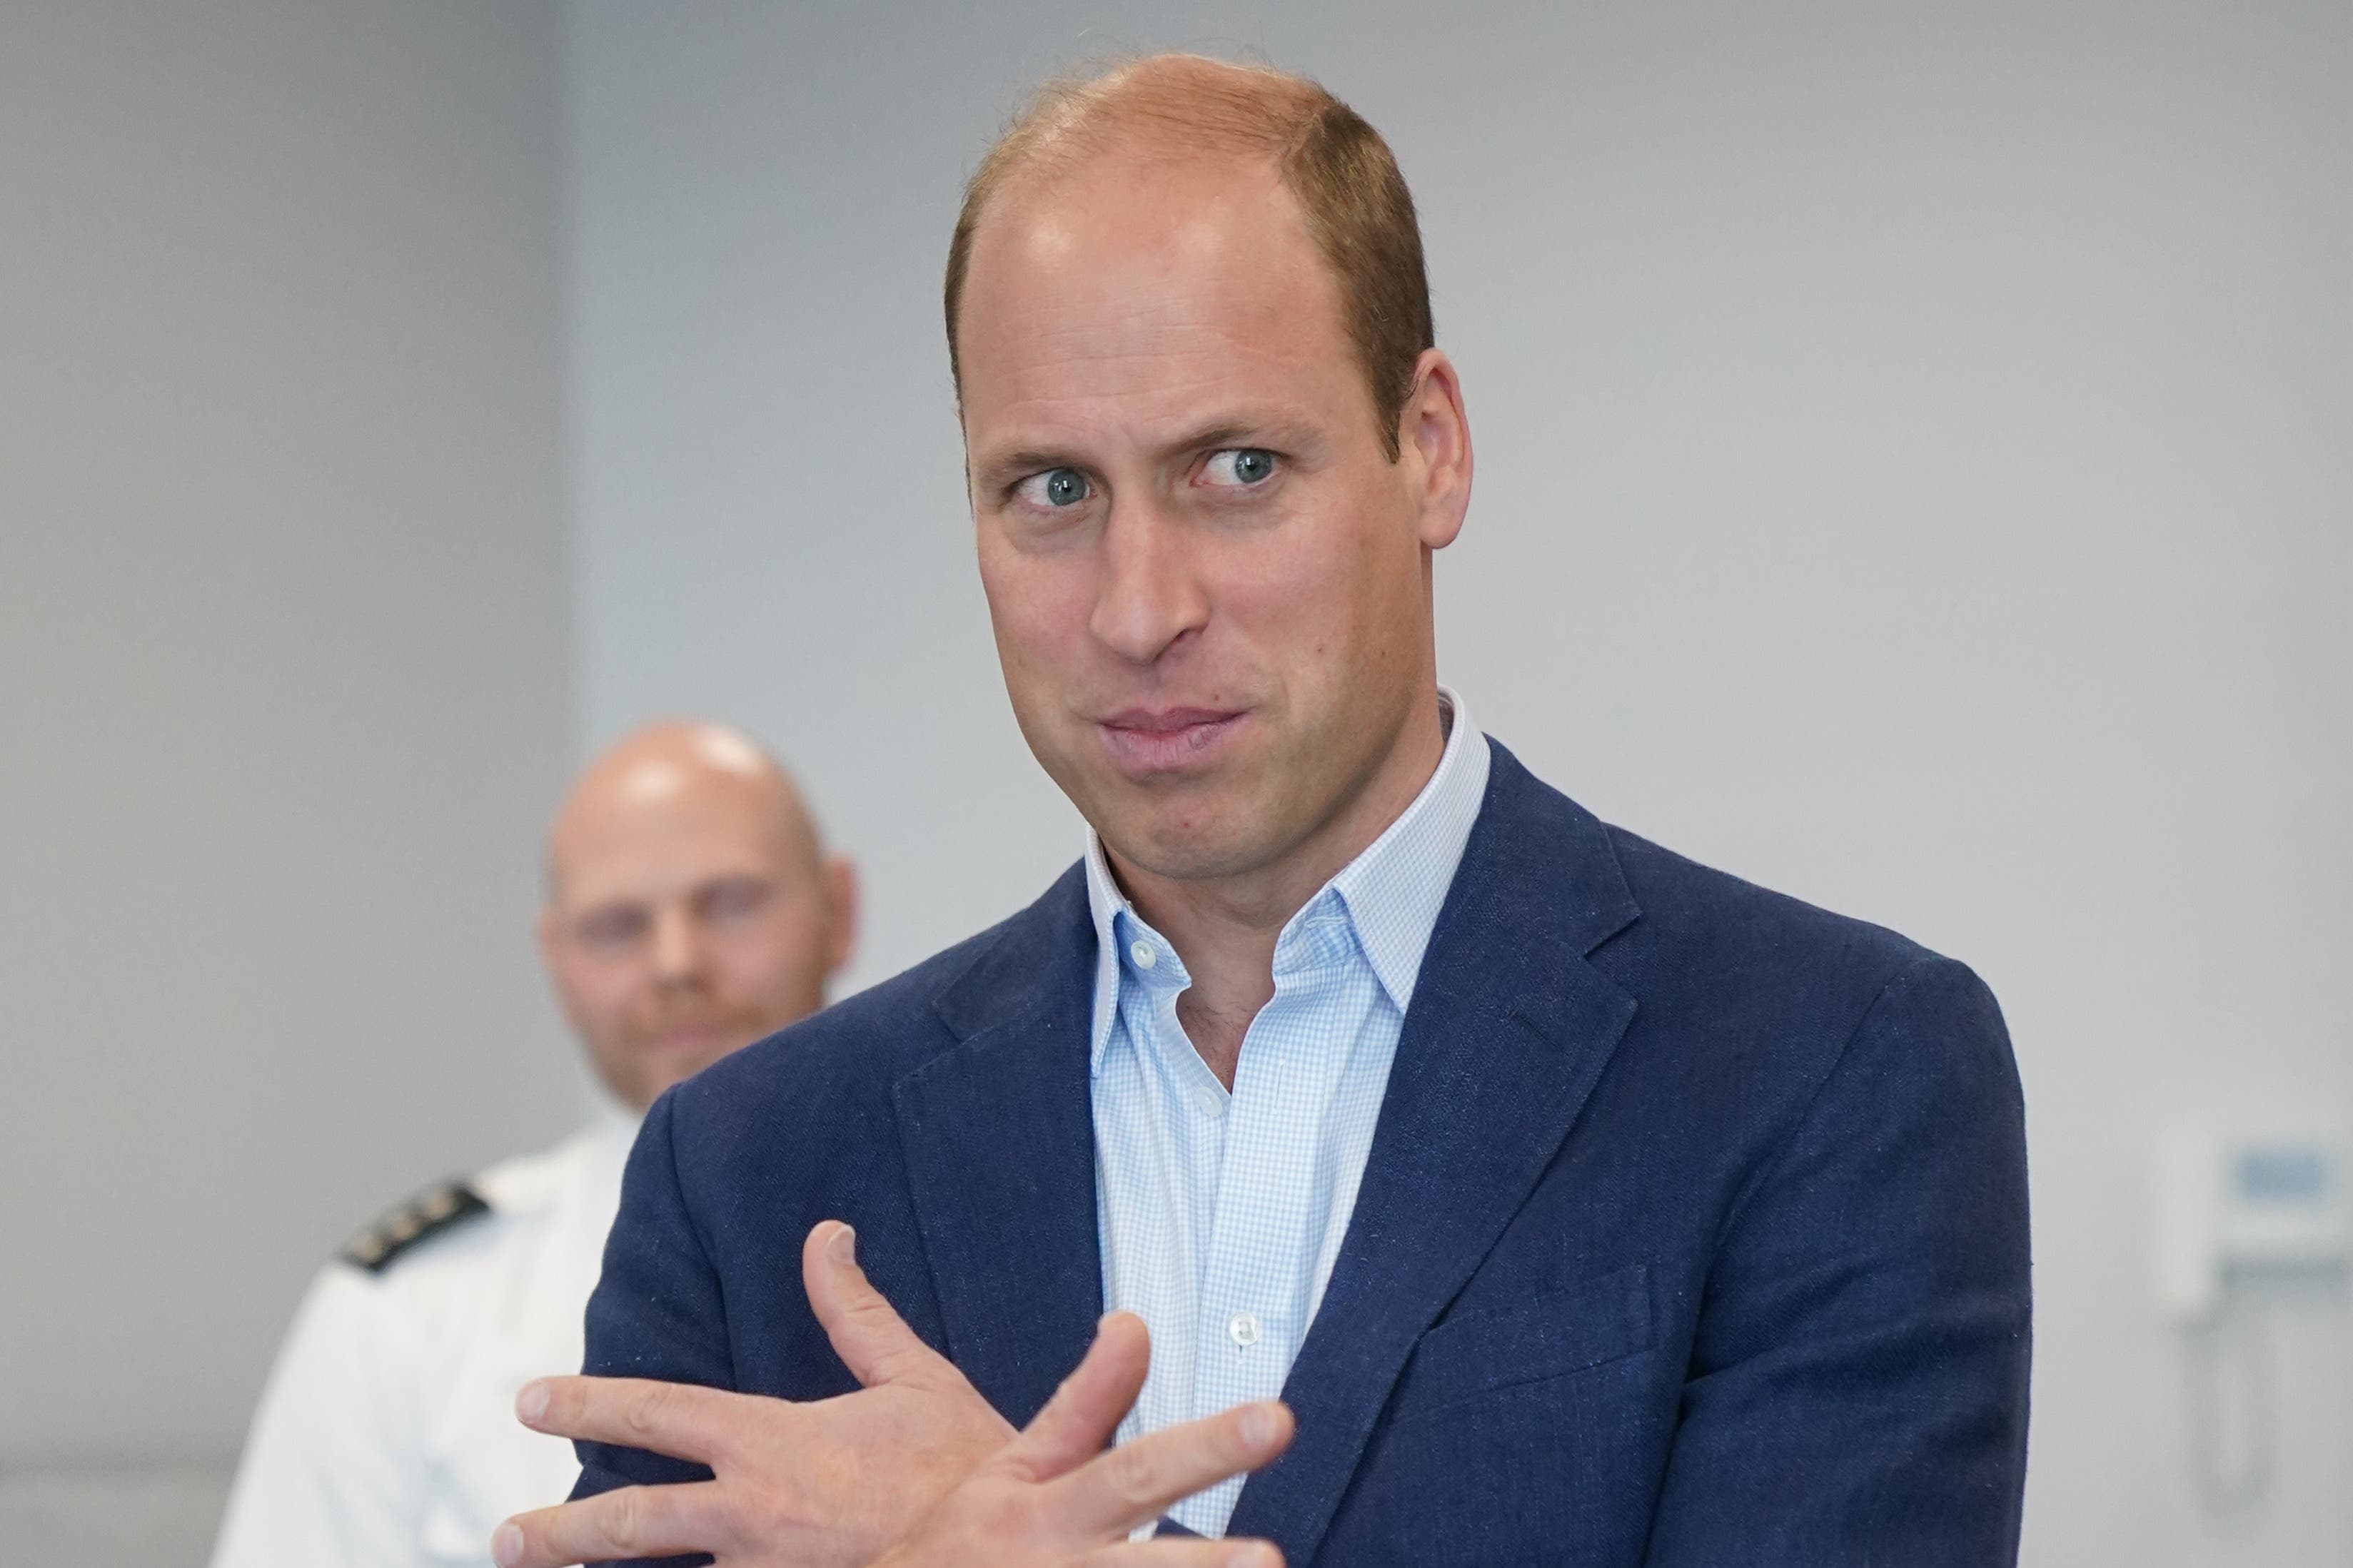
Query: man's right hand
{"type": "Point", "coordinates": [837, 1482]}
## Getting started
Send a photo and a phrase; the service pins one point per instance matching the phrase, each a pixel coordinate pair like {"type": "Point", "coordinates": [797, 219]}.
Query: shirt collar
{"type": "Point", "coordinates": [1392, 891]}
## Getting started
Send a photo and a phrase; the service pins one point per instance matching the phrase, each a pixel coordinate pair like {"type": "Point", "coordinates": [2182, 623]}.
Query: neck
{"type": "Point", "coordinates": [1225, 928]}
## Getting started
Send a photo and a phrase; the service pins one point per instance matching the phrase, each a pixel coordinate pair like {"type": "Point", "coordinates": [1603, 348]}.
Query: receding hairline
{"type": "Point", "coordinates": [1176, 101]}
{"type": "Point", "coordinates": [1334, 165]}
{"type": "Point", "coordinates": [1178, 107]}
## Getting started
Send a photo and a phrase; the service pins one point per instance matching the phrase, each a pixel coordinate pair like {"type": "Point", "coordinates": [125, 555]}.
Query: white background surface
{"type": "Point", "coordinates": [1912, 474]}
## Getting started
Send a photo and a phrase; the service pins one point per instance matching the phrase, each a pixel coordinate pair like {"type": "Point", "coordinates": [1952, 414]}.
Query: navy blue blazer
{"type": "Point", "coordinates": [1693, 1233]}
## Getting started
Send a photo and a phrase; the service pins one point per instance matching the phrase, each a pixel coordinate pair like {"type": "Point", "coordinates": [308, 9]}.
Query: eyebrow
{"type": "Point", "coordinates": [1018, 465]}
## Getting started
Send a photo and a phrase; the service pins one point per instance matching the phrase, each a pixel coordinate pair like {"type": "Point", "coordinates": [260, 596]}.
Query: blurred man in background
{"type": "Point", "coordinates": [691, 909]}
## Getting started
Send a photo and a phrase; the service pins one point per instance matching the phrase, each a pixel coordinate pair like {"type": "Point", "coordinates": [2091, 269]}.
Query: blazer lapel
{"type": "Point", "coordinates": [999, 1140]}
{"type": "Point", "coordinates": [1508, 1031]}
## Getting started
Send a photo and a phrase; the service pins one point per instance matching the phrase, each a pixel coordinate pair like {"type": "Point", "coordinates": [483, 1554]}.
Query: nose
{"type": "Point", "coordinates": [1148, 595]}
{"type": "Point", "coordinates": [678, 945]}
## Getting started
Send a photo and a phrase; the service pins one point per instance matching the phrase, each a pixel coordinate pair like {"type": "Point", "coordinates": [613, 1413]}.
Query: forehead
{"type": "Point", "coordinates": [661, 829]}
{"type": "Point", "coordinates": [1147, 281]}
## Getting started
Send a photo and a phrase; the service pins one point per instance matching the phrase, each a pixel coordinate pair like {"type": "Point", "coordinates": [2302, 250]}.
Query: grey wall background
{"type": "Point", "coordinates": [284, 690]}
{"type": "Point", "coordinates": [1912, 474]}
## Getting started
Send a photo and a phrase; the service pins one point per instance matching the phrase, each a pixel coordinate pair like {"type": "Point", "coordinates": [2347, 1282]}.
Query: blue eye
{"type": "Point", "coordinates": [1055, 489]}
{"type": "Point", "coordinates": [1239, 466]}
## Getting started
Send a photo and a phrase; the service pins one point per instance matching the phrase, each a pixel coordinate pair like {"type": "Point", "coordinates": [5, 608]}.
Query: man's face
{"type": "Point", "coordinates": [1209, 580]}
{"type": "Point", "coordinates": [686, 920]}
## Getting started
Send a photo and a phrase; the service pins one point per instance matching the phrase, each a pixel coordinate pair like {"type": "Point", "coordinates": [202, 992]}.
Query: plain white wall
{"type": "Point", "coordinates": [283, 685]}
{"type": "Point", "coordinates": [1912, 474]}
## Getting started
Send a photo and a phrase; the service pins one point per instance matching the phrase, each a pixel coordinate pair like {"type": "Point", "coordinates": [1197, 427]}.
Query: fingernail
{"type": "Point", "coordinates": [844, 1245]}
{"type": "Point", "coordinates": [506, 1546]}
{"type": "Point", "coordinates": [1257, 1425]}
{"type": "Point", "coordinates": [531, 1403]}
{"type": "Point", "coordinates": [1249, 1554]}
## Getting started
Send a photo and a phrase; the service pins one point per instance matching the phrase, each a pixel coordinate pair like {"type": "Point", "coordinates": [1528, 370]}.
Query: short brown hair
{"type": "Point", "coordinates": [1334, 164]}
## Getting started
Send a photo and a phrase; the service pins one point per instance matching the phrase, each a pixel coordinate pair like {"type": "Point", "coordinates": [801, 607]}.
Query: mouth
{"type": "Point", "coordinates": [1143, 741]}
{"type": "Point", "coordinates": [694, 1036]}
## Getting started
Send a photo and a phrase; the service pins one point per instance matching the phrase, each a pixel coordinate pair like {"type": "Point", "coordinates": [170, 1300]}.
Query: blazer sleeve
{"type": "Point", "coordinates": [657, 1310]}
{"type": "Point", "coordinates": [1857, 1390]}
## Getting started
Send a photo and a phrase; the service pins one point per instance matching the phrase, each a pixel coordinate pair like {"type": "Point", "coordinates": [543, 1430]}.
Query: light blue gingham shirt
{"type": "Point", "coordinates": [1221, 1214]}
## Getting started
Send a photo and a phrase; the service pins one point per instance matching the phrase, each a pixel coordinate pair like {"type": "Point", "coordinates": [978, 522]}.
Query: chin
{"type": "Point", "coordinates": [1190, 851]}
{"type": "Point", "coordinates": [672, 1067]}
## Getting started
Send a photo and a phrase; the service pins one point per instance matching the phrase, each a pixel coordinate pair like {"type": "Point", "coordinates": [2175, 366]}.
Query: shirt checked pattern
{"type": "Point", "coordinates": [1221, 1214]}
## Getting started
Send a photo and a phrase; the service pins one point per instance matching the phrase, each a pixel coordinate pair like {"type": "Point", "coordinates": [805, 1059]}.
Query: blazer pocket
{"type": "Point", "coordinates": [1560, 1331]}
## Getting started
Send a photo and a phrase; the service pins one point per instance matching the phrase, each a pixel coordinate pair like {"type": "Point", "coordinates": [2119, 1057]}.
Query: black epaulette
{"type": "Point", "coordinates": [429, 1212]}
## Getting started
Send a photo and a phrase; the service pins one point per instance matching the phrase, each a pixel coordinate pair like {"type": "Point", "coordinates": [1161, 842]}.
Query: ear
{"type": "Point", "coordinates": [841, 894]}
{"type": "Point", "coordinates": [1434, 449]}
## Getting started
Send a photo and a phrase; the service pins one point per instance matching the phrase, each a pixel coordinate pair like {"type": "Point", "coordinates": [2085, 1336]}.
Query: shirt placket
{"type": "Point", "coordinates": [1187, 1148]}
{"type": "Point", "coordinates": [1246, 1333]}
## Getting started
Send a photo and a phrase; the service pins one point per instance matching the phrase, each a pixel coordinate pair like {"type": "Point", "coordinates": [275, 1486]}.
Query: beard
{"type": "Point", "coordinates": [658, 1045]}
{"type": "Point", "coordinates": [700, 1026]}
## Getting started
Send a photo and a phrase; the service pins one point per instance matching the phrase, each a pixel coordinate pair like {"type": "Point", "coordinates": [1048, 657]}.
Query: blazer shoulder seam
{"type": "Point", "coordinates": [1913, 965]}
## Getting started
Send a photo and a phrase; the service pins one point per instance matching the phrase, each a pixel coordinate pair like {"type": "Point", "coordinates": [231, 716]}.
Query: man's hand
{"type": "Point", "coordinates": [1053, 1499]}
{"type": "Point", "coordinates": [828, 1484]}
{"type": "Point", "coordinates": [839, 1481]}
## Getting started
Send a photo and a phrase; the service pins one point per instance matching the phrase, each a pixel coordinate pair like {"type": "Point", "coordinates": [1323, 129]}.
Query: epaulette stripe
{"type": "Point", "coordinates": [429, 1212]}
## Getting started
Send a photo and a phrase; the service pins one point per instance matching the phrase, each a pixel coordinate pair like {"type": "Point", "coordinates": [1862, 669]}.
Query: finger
{"type": "Point", "coordinates": [631, 1521]}
{"type": "Point", "coordinates": [684, 1420]}
{"type": "Point", "coordinates": [1136, 1482]}
{"type": "Point", "coordinates": [1086, 1409]}
{"type": "Point", "coordinates": [868, 1336]}
{"type": "Point", "coordinates": [1161, 1553]}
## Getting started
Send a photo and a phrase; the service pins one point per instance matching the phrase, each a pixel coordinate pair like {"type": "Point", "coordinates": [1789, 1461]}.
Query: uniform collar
{"type": "Point", "coordinates": [1391, 893]}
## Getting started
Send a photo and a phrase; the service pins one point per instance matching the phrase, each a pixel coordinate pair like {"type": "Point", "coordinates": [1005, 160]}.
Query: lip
{"type": "Point", "coordinates": [688, 1036]}
{"type": "Point", "coordinates": [1146, 740]}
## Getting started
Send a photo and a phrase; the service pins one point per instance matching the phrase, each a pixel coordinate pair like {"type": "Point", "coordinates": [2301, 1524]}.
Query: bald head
{"type": "Point", "coordinates": [691, 907]}
{"type": "Point", "coordinates": [1180, 108]}
{"type": "Point", "coordinates": [666, 774]}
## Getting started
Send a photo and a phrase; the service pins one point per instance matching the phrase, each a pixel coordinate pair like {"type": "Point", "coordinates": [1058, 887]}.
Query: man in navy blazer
{"type": "Point", "coordinates": [1652, 1219]}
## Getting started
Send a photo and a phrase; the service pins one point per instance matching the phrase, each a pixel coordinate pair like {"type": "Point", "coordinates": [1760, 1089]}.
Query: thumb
{"type": "Point", "coordinates": [1087, 1409]}
{"type": "Point", "coordinates": [871, 1338]}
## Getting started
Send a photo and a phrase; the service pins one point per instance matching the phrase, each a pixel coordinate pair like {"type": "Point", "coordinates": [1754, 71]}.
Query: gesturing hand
{"type": "Point", "coordinates": [827, 1484]}
{"type": "Point", "coordinates": [1052, 1498]}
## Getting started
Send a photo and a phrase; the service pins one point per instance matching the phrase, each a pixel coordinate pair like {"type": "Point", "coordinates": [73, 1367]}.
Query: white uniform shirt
{"type": "Point", "coordinates": [386, 1435]}
{"type": "Point", "coordinates": [1221, 1214]}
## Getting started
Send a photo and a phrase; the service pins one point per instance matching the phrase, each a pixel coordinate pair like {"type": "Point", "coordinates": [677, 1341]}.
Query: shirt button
{"type": "Point", "coordinates": [1141, 950]}
{"type": "Point", "coordinates": [1243, 1327]}
{"type": "Point", "coordinates": [1208, 1102]}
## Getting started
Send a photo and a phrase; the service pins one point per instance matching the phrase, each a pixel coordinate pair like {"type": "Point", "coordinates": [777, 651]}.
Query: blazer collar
{"type": "Point", "coordinates": [1509, 1030]}
{"type": "Point", "coordinates": [999, 1140]}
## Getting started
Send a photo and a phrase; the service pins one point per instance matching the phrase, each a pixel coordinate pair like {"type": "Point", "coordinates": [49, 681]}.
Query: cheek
{"type": "Point", "coordinates": [770, 958]}
{"type": "Point", "coordinates": [1313, 600]}
{"type": "Point", "coordinates": [599, 993]}
{"type": "Point", "coordinates": [1037, 611]}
